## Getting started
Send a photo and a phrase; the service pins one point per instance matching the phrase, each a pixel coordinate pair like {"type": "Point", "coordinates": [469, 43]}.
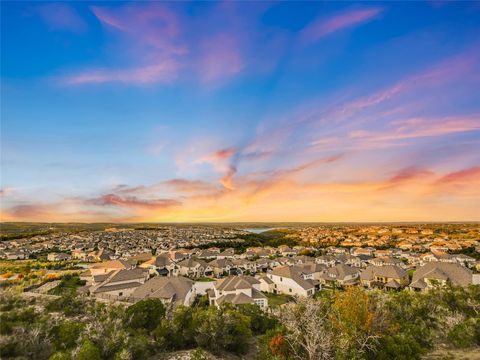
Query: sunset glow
{"type": "Point", "coordinates": [240, 111]}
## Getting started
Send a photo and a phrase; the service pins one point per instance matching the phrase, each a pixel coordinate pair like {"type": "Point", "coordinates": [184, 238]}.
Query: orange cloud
{"type": "Point", "coordinates": [466, 175]}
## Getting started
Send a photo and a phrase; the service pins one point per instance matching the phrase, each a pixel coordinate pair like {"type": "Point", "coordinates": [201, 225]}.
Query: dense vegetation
{"type": "Point", "coordinates": [352, 324]}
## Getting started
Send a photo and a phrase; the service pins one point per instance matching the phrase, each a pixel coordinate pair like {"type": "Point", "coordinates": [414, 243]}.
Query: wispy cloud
{"type": "Point", "coordinates": [133, 202]}
{"type": "Point", "coordinates": [465, 175]}
{"type": "Point", "coordinates": [61, 17]}
{"type": "Point", "coordinates": [220, 58]}
{"type": "Point", "coordinates": [162, 72]}
{"type": "Point", "coordinates": [326, 26]}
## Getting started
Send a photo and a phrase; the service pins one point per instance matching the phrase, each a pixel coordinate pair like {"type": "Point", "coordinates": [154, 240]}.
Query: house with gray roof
{"type": "Point", "coordinates": [118, 284]}
{"type": "Point", "coordinates": [194, 268]}
{"type": "Point", "coordinates": [175, 290]}
{"type": "Point", "coordinates": [439, 273]}
{"type": "Point", "coordinates": [384, 276]}
{"type": "Point", "coordinates": [341, 275]}
{"type": "Point", "coordinates": [238, 290]}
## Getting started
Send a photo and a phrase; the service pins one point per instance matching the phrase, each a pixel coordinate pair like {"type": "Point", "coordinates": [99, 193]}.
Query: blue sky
{"type": "Point", "coordinates": [228, 111]}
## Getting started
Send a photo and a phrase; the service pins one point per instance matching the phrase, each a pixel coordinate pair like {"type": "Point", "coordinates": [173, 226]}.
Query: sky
{"type": "Point", "coordinates": [240, 111]}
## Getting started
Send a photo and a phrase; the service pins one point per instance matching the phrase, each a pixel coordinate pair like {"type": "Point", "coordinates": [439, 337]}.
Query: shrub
{"type": "Point", "coordinates": [145, 314]}
{"type": "Point", "coordinates": [88, 351]}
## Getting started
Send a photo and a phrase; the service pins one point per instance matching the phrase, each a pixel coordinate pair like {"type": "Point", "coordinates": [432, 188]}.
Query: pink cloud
{"type": "Point", "coordinates": [153, 25]}
{"type": "Point", "coordinates": [220, 58]}
{"type": "Point", "coordinates": [465, 175]}
{"type": "Point", "coordinates": [322, 27]}
{"type": "Point", "coordinates": [133, 202]}
{"type": "Point", "coordinates": [162, 72]}
{"type": "Point", "coordinates": [60, 16]}
{"type": "Point", "coordinates": [419, 127]}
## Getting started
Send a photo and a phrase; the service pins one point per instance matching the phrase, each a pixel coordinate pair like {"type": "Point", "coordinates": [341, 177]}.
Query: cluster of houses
{"type": "Point", "coordinates": [412, 237]}
{"type": "Point", "coordinates": [178, 276]}
{"type": "Point", "coordinates": [120, 242]}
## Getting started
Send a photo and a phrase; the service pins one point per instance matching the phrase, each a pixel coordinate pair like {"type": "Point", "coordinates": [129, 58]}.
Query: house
{"type": "Point", "coordinates": [221, 267]}
{"type": "Point", "coordinates": [293, 280]}
{"type": "Point", "coordinates": [118, 284]}
{"type": "Point", "coordinates": [15, 255]}
{"type": "Point", "coordinates": [466, 260]}
{"type": "Point", "coordinates": [243, 266]}
{"type": "Point", "coordinates": [100, 255]}
{"type": "Point", "coordinates": [266, 284]}
{"type": "Point", "coordinates": [263, 265]}
{"type": "Point", "coordinates": [238, 290]}
{"type": "Point", "coordinates": [284, 250]}
{"type": "Point", "coordinates": [340, 274]}
{"type": "Point", "coordinates": [311, 268]}
{"type": "Point", "coordinates": [175, 290]}
{"type": "Point", "coordinates": [436, 256]}
{"type": "Point", "coordinates": [327, 260]}
{"type": "Point", "coordinates": [194, 268]}
{"type": "Point", "coordinates": [177, 256]}
{"type": "Point", "coordinates": [438, 274]}
{"type": "Point", "coordinates": [363, 251]}
{"type": "Point", "coordinates": [302, 259]}
{"type": "Point", "coordinates": [141, 257]}
{"type": "Point", "coordinates": [79, 254]}
{"type": "Point", "coordinates": [227, 254]}
{"type": "Point", "coordinates": [58, 257]}
{"type": "Point", "coordinates": [160, 265]}
{"type": "Point", "coordinates": [388, 276]}
{"type": "Point", "coordinates": [207, 254]}
{"type": "Point", "coordinates": [385, 260]}
{"type": "Point", "coordinates": [108, 266]}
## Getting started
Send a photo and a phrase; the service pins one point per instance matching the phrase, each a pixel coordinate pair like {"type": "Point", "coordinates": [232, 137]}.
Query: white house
{"type": "Point", "coordinates": [293, 280]}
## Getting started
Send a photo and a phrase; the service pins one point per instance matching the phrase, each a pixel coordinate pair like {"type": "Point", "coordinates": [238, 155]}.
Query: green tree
{"type": "Point", "coordinates": [260, 321]}
{"type": "Point", "coordinates": [145, 314]}
{"type": "Point", "coordinates": [222, 329]}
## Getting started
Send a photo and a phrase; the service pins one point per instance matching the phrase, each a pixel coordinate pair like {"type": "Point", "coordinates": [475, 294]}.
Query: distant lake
{"type": "Point", "coordinates": [259, 230]}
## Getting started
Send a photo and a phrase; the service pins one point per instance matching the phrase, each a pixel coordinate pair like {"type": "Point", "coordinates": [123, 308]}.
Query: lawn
{"type": "Point", "coordinates": [275, 300]}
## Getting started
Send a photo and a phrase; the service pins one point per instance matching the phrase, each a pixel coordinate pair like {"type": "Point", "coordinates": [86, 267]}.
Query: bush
{"type": "Point", "coordinates": [66, 334]}
{"type": "Point", "coordinates": [222, 329]}
{"type": "Point", "coordinates": [88, 351]}
{"type": "Point", "coordinates": [60, 355]}
{"type": "Point", "coordinates": [145, 314]}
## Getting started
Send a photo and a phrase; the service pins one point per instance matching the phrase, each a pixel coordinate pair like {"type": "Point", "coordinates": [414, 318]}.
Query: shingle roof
{"type": "Point", "coordinates": [340, 271]}
{"type": "Point", "coordinates": [158, 261]}
{"type": "Point", "coordinates": [388, 271]}
{"type": "Point", "coordinates": [191, 263]}
{"type": "Point", "coordinates": [165, 288]}
{"type": "Point", "coordinates": [455, 273]}
{"type": "Point", "coordinates": [295, 273]}
{"type": "Point", "coordinates": [112, 264]}
{"type": "Point", "coordinates": [231, 283]}
{"type": "Point", "coordinates": [124, 275]}
{"type": "Point", "coordinates": [105, 288]}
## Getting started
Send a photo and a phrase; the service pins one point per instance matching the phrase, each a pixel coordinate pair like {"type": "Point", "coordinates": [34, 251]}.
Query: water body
{"type": "Point", "coordinates": [259, 230]}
